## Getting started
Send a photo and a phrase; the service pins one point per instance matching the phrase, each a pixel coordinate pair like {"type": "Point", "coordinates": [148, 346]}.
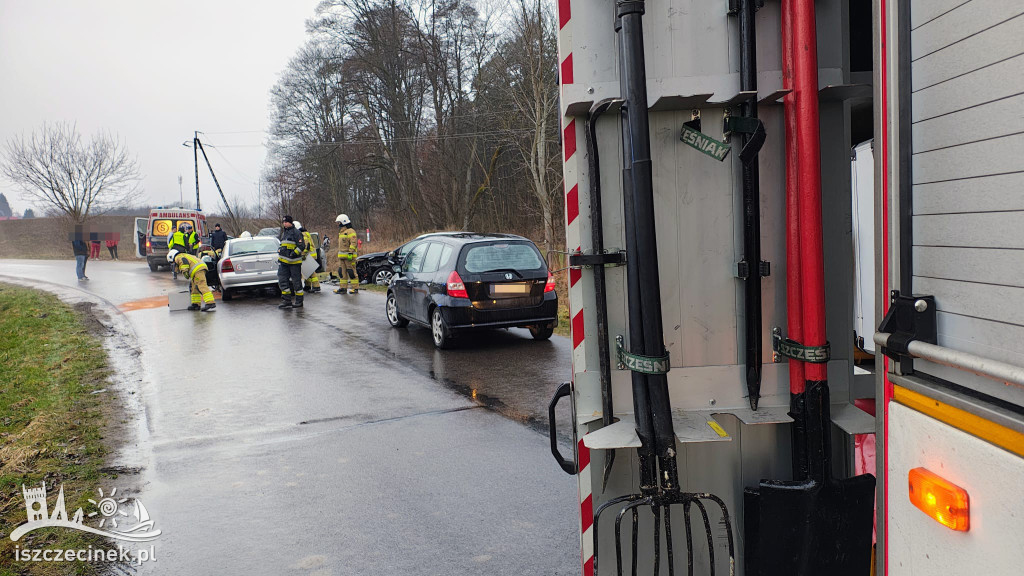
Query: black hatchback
{"type": "Point", "coordinates": [453, 283]}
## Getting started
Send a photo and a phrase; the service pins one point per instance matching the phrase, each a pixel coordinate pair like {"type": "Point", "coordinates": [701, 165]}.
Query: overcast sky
{"type": "Point", "coordinates": [152, 72]}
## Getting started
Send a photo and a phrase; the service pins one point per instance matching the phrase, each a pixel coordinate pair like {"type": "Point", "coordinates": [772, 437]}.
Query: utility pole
{"type": "Point", "coordinates": [181, 193]}
{"type": "Point", "coordinates": [195, 157]}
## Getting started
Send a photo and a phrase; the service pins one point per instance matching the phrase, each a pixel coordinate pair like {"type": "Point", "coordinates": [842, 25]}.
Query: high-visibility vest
{"type": "Point", "coordinates": [183, 244]}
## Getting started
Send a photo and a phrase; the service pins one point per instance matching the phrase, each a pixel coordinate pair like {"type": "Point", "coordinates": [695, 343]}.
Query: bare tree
{"type": "Point", "coordinates": [528, 63]}
{"type": "Point", "coordinates": [55, 167]}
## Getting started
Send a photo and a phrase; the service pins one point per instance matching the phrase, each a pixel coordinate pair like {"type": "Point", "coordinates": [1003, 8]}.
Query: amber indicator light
{"type": "Point", "coordinates": [943, 501]}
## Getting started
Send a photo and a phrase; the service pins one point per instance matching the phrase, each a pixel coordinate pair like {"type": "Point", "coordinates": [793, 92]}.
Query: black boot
{"type": "Point", "coordinates": [194, 307]}
{"type": "Point", "coordinates": [298, 302]}
{"type": "Point", "coordinates": [210, 306]}
{"type": "Point", "coordinates": [285, 303]}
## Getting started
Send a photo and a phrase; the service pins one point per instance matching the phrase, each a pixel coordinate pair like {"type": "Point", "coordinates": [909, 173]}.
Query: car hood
{"type": "Point", "coordinates": [372, 255]}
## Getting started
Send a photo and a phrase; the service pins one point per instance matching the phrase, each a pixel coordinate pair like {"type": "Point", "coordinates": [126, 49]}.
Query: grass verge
{"type": "Point", "coordinates": [50, 427]}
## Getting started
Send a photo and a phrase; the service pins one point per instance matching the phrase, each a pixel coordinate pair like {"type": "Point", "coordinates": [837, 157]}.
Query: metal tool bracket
{"type": "Point", "coordinates": [746, 125]}
{"type": "Point", "coordinates": [789, 348]}
{"type": "Point", "coordinates": [743, 269]}
{"type": "Point", "coordinates": [606, 258]}
{"type": "Point", "coordinates": [639, 362]}
{"type": "Point", "coordinates": [909, 318]}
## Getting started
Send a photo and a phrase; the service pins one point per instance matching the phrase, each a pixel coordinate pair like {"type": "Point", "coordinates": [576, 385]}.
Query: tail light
{"type": "Point", "coordinates": [550, 285]}
{"type": "Point", "coordinates": [456, 289]}
{"type": "Point", "coordinates": [149, 245]}
{"type": "Point", "coordinates": [227, 266]}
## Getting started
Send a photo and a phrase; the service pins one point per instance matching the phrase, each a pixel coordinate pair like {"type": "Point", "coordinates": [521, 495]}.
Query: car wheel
{"type": "Point", "coordinates": [226, 294]}
{"type": "Point", "coordinates": [382, 277]}
{"type": "Point", "coordinates": [153, 266]}
{"type": "Point", "coordinates": [541, 332]}
{"type": "Point", "coordinates": [439, 330]}
{"type": "Point", "coordinates": [394, 318]}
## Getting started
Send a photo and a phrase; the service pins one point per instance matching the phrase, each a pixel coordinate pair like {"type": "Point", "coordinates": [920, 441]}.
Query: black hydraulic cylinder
{"type": "Point", "coordinates": [751, 210]}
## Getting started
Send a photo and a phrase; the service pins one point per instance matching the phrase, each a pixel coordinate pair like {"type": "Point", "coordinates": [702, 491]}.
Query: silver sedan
{"type": "Point", "coordinates": [248, 264]}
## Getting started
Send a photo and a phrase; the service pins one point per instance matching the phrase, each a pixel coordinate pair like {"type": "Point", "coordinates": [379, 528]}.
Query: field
{"type": "Point", "coordinates": [47, 238]}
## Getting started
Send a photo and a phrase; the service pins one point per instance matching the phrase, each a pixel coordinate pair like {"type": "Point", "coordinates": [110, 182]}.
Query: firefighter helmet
{"type": "Point", "coordinates": [343, 219]}
{"type": "Point", "coordinates": [297, 224]}
{"type": "Point", "coordinates": [171, 255]}
{"type": "Point", "coordinates": [246, 234]}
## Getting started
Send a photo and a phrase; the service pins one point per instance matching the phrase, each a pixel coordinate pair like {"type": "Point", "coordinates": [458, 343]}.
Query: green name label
{"type": "Point", "coordinates": [644, 364]}
{"type": "Point", "coordinates": [811, 354]}
{"type": "Point", "coordinates": [704, 143]}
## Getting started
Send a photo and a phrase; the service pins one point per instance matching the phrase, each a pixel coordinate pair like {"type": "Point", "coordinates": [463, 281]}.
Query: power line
{"type": "Point", "coordinates": [406, 139]}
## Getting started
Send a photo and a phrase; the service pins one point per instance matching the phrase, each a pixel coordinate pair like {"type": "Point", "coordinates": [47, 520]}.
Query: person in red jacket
{"type": "Point", "coordinates": [112, 245]}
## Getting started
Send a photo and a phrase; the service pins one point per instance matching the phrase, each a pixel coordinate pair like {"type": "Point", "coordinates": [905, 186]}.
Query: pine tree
{"type": "Point", "coordinates": [5, 208]}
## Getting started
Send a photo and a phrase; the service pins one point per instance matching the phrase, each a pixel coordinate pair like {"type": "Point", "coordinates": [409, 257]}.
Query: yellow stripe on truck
{"type": "Point", "coordinates": [987, 430]}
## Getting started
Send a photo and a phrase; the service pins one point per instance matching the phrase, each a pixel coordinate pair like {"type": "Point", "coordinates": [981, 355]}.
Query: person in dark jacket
{"type": "Point", "coordinates": [81, 250]}
{"type": "Point", "coordinates": [289, 268]}
{"type": "Point", "coordinates": [218, 239]}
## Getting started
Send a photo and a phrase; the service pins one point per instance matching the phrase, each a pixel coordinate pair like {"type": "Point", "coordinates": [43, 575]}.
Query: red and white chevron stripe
{"type": "Point", "coordinates": [571, 134]}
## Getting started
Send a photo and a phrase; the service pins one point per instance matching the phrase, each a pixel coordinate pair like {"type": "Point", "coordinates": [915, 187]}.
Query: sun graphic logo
{"type": "Point", "coordinates": [109, 508]}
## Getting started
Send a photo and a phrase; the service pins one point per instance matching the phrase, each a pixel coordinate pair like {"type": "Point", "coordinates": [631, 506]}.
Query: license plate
{"type": "Point", "coordinates": [517, 289]}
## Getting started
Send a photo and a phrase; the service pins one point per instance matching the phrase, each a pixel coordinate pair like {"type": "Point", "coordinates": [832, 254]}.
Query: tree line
{"type": "Point", "coordinates": [416, 115]}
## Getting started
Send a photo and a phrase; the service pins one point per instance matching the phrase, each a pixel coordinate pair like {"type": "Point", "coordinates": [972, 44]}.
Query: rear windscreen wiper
{"type": "Point", "coordinates": [512, 270]}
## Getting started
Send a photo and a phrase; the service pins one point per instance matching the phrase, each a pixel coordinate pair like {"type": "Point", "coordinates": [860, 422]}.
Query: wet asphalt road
{"type": "Point", "coordinates": [322, 441]}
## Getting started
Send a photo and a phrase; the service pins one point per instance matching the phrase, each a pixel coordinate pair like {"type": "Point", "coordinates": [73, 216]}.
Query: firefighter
{"type": "Point", "coordinates": [289, 268]}
{"type": "Point", "coordinates": [195, 270]}
{"type": "Point", "coordinates": [185, 239]}
{"type": "Point", "coordinates": [311, 284]}
{"type": "Point", "coordinates": [348, 249]}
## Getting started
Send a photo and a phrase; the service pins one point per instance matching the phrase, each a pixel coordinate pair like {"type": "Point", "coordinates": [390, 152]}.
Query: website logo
{"type": "Point", "coordinates": [118, 518]}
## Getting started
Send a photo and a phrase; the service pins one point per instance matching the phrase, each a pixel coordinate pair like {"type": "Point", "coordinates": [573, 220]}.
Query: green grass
{"type": "Point", "coordinates": [49, 422]}
{"type": "Point", "coordinates": [564, 325]}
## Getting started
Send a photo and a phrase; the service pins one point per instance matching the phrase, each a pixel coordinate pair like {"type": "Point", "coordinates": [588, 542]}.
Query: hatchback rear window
{"type": "Point", "coordinates": [254, 246]}
{"type": "Point", "coordinates": [502, 256]}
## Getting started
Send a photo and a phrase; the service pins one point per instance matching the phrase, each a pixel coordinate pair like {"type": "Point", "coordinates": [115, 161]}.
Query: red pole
{"type": "Point", "coordinates": [812, 273]}
{"type": "Point", "coordinates": [794, 310]}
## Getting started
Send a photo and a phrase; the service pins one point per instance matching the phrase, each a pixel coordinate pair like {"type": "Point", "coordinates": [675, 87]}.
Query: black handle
{"type": "Point", "coordinates": [563, 390]}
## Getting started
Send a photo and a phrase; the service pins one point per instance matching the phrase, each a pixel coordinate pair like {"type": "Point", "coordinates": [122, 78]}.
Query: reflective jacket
{"type": "Point", "coordinates": [348, 244]}
{"type": "Point", "coordinates": [189, 265]}
{"type": "Point", "coordinates": [310, 247]}
{"type": "Point", "coordinates": [292, 246]}
{"type": "Point", "coordinates": [180, 243]}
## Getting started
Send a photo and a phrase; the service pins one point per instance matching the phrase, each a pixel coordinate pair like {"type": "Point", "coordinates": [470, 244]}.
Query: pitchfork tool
{"type": "Point", "coordinates": [659, 480]}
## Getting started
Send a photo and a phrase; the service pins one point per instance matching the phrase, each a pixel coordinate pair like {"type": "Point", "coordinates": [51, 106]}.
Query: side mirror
{"type": "Point", "coordinates": [396, 269]}
{"type": "Point", "coordinates": [391, 255]}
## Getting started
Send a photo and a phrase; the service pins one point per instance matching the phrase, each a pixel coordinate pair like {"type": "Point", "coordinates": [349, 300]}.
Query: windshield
{"type": "Point", "coordinates": [254, 246]}
{"type": "Point", "coordinates": [502, 256]}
